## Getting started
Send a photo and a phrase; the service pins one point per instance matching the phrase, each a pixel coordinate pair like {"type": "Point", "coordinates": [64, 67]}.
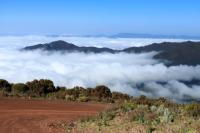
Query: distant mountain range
{"type": "Point", "coordinates": [136, 35]}
{"type": "Point", "coordinates": [155, 36]}
{"type": "Point", "coordinates": [171, 53]}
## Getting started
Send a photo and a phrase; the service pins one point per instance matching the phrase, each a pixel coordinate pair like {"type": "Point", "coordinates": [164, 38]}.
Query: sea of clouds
{"type": "Point", "coordinates": [121, 72]}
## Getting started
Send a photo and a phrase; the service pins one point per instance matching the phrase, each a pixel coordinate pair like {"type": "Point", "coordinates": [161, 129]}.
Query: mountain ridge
{"type": "Point", "coordinates": [67, 47]}
{"type": "Point", "coordinates": [172, 53]}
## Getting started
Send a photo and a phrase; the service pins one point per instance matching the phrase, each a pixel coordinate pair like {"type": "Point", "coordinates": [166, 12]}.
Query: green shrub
{"type": "Point", "coordinates": [58, 94]}
{"type": "Point", "coordinates": [77, 91]}
{"type": "Point", "coordinates": [5, 85]}
{"type": "Point", "coordinates": [106, 116]}
{"type": "Point", "coordinates": [101, 92]}
{"type": "Point", "coordinates": [137, 115]}
{"type": "Point", "coordinates": [120, 96]}
{"type": "Point", "coordinates": [165, 115]}
{"type": "Point", "coordinates": [83, 98]}
{"type": "Point", "coordinates": [151, 115]}
{"type": "Point", "coordinates": [40, 87]}
{"type": "Point", "coordinates": [152, 118]}
{"type": "Point", "coordinates": [19, 88]}
{"type": "Point", "coordinates": [128, 106]}
{"type": "Point", "coordinates": [70, 97]}
{"type": "Point", "coordinates": [143, 100]}
{"type": "Point", "coordinates": [193, 109]}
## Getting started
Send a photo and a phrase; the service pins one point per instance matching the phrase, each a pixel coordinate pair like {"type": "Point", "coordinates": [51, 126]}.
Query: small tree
{"type": "Point", "coordinates": [102, 92]}
{"type": "Point", "coordinates": [120, 96]}
{"type": "Point", "coordinates": [19, 88]}
{"type": "Point", "coordinates": [5, 85]}
{"type": "Point", "coordinates": [77, 91]}
{"type": "Point", "coordinates": [41, 87]}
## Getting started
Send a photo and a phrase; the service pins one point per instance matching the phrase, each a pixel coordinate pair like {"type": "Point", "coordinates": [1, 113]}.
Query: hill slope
{"type": "Point", "coordinates": [185, 53]}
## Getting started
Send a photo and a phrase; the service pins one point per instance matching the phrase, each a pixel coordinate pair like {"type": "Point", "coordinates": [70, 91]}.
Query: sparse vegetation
{"type": "Point", "coordinates": [140, 116]}
{"type": "Point", "coordinates": [193, 109]}
{"type": "Point", "coordinates": [128, 114]}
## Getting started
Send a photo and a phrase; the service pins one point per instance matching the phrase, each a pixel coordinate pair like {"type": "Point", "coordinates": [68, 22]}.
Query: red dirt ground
{"type": "Point", "coordinates": [35, 116]}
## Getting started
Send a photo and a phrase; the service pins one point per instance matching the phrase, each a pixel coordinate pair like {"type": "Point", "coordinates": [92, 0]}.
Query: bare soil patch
{"type": "Point", "coordinates": [36, 116]}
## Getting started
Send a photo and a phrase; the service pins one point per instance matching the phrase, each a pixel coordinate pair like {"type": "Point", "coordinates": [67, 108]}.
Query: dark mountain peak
{"type": "Point", "coordinates": [60, 43]}
{"type": "Point", "coordinates": [53, 46]}
{"type": "Point", "coordinates": [67, 47]}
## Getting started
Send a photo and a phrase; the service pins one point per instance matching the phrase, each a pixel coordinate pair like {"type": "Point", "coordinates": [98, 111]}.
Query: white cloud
{"type": "Point", "coordinates": [116, 43]}
{"type": "Point", "coordinates": [173, 89]}
{"type": "Point", "coordinates": [121, 72]}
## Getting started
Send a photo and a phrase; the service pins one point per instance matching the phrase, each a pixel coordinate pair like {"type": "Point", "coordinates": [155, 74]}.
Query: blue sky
{"type": "Point", "coordinates": [178, 17]}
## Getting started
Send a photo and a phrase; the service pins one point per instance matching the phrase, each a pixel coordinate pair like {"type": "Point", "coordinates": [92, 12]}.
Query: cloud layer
{"type": "Point", "coordinates": [115, 43]}
{"type": "Point", "coordinates": [121, 72]}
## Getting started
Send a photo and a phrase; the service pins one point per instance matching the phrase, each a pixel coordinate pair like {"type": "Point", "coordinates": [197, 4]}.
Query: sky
{"type": "Point", "coordinates": [39, 17]}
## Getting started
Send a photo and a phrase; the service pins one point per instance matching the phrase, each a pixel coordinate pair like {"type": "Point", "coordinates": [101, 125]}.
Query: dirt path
{"type": "Point", "coordinates": [34, 116]}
